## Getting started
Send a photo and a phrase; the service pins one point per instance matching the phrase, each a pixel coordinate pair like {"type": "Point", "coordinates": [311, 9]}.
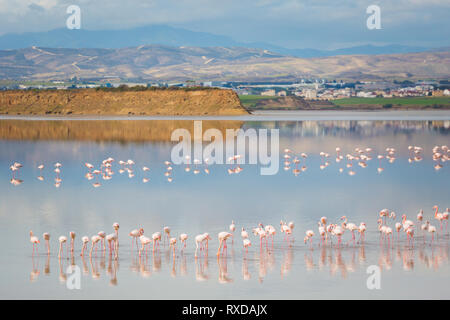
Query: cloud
{"type": "Point", "coordinates": [293, 23]}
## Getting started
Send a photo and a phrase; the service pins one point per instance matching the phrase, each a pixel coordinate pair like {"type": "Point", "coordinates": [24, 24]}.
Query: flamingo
{"type": "Point", "coordinates": [116, 227]}
{"type": "Point", "coordinates": [61, 239]}
{"type": "Point", "coordinates": [173, 244]}
{"type": "Point", "coordinates": [309, 235]}
{"type": "Point", "coordinates": [438, 215]}
{"type": "Point", "coordinates": [145, 241]}
{"type": "Point", "coordinates": [102, 235]}
{"type": "Point", "coordinates": [111, 238]}
{"type": "Point", "coordinates": [398, 227]}
{"type": "Point", "coordinates": [94, 240]}
{"type": "Point", "coordinates": [270, 231]}
{"type": "Point", "coordinates": [322, 232]}
{"type": "Point", "coordinates": [246, 243]}
{"type": "Point", "coordinates": [432, 230]}
{"type": "Point", "coordinates": [85, 241]}
{"type": "Point", "coordinates": [424, 227]}
{"type": "Point", "coordinates": [406, 223]}
{"type": "Point", "coordinates": [362, 232]}
{"type": "Point", "coordinates": [420, 215]}
{"type": "Point", "coordinates": [183, 238]}
{"type": "Point", "coordinates": [156, 239]}
{"type": "Point", "coordinates": [244, 234]}
{"type": "Point", "coordinates": [349, 226]}
{"type": "Point", "coordinates": [223, 236]}
{"type": "Point", "coordinates": [232, 229]}
{"type": "Point", "coordinates": [135, 234]}
{"type": "Point", "coordinates": [445, 216]}
{"type": "Point", "coordinates": [46, 237]}
{"type": "Point", "coordinates": [410, 234]}
{"type": "Point", "coordinates": [72, 239]}
{"type": "Point", "coordinates": [166, 234]}
{"type": "Point", "coordinates": [338, 231]}
{"type": "Point", "coordinates": [199, 242]}
{"type": "Point", "coordinates": [34, 240]}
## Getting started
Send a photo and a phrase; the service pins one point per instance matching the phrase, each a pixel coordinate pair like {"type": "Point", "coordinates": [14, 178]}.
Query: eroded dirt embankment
{"type": "Point", "coordinates": [104, 102]}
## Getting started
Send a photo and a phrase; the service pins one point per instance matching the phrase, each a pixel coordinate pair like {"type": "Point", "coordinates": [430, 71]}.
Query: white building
{"type": "Point", "coordinates": [270, 92]}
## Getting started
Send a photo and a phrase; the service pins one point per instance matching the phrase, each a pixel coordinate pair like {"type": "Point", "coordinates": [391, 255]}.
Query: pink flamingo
{"type": "Point", "coordinates": [85, 241]}
{"type": "Point", "coordinates": [156, 239]}
{"type": "Point", "coordinates": [135, 234]}
{"type": "Point", "coordinates": [62, 240]}
{"type": "Point", "coordinates": [183, 238]}
{"type": "Point", "coordinates": [438, 216]}
{"type": "Point", "coordinates": [72, 239]}
{"type": "Point", "coordinates": [46, 237]}
{"type": "Point", "coordinates": [34, 240]}
{"type": "Point", "coordinates": [223, 236]}
{"type": "Point", "coordinates": [309, 235]}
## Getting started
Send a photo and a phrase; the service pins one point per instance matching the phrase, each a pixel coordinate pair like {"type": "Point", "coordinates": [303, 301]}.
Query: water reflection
{"type": "Point", "coordinates": [340, 262]}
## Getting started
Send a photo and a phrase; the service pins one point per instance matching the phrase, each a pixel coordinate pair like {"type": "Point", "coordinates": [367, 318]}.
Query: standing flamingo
{"type": "Point", "coordinates": [432, 230]}
{"type": "Point", "coordinates": [246, 243]}
{"type": "Point", "coordinates": [62, 240]}
{"type": "Point", "coordinates": [223, 236]}
{"type": "Point", "coordinates": [156, 237]}
{"type": "Point", "coordinates": [166, 234]}
{"type": "Point", "coordinates": [309, 235]}
{"type": "Point", "coordinates": [183, 238]}
{"type": "Point", "coordinates": [135, 234]}
{"type": "Point", "coordinates": [438, 216]}
{"type": "Point", "coordinates": [72, 240]}
{"type": "Point", "coordinates": [85, 241]}
{"type": "Point", "coordinates": [173, 244]}
{"type": "Point", "coordinates": [116, 227]}
{"type": "Point", "coordinates": [46, 237]}
{"type": "Point", "coordinates": [145, 241]}
{"type": "Point", "coordinates": [232, 229]}
{"type": "Point", "coordinates": [362, 232]}
{"type": "Point", "coordinates": [94, 239]}
{"type": "Point", "coordinates": [34, 240]}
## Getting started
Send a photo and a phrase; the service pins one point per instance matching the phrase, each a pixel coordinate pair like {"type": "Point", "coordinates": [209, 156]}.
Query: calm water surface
{"type": "Point", "coordinates": [200, 203]}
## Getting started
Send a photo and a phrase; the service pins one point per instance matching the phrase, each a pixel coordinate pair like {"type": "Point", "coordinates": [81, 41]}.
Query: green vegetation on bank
{"type": "Point", "coordinates": [398, 101]}
{"type": "Point", "coordinates": [249, 101]}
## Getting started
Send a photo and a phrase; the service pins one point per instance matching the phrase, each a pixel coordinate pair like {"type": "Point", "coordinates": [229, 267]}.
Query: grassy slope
{"type": "Point", "coordinates": [249, 101]}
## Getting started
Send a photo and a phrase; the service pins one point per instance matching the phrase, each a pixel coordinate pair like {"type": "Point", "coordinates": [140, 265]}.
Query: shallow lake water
{"type": "Point", "coordinates": [197, 203]}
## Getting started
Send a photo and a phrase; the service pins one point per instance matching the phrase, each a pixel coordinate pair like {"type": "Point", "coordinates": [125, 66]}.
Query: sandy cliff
{"type": "Point", "coordinates": [104, 102]}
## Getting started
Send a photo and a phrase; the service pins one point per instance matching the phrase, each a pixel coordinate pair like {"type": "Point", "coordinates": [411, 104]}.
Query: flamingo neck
{"type": "Point", "coordinates": [436, 212]}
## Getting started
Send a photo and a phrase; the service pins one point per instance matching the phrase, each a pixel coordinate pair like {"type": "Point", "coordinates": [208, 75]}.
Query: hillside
{"type": "Point", "coordinates": [115, 102]}
{"type": "Point", "coordinates": [165, 63]}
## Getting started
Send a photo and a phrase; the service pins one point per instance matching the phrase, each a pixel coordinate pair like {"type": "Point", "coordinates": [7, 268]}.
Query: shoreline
{"type": "Point", "coordinates": [272, 115]}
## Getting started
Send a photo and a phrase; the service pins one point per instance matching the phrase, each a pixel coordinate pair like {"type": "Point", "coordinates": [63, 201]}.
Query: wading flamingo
{"type": "Point", "coordinates": [85, 241]}
{"type": "Point", "coordinates": [223, 236]}
{"type": "Point", "coordinates": [183, 238]}
{"type": "Point", "coordinates": [46, 237]}
{"type": "Point", "coordinates": [35, 241]}
{"type": "Point", "coordinates": [61, 239]}
{"type": "Point", "coordinates": [246, 243]}
{"type": "Point", "coordinates": [156, 239]}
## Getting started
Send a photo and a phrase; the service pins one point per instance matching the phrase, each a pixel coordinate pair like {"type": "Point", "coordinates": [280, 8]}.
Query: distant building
{"type": "Point", "coordinates": [270, 92]}
{"type": "Point", "coordinates": [281, 93]}
{"type": "Point", "coordinates": [310, 94]}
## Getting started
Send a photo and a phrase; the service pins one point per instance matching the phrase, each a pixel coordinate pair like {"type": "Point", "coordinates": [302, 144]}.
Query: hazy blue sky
{"type": "Point", "coordinates": [289, 23]}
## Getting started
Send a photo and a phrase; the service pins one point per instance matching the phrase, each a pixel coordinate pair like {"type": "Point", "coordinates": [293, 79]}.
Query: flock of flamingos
{"type": "Point", "coordinates": [265, 235]}
{"type": "Point", "coordinates": [292, 160]}
{"type": "Point", "coordinates": [387, 224]}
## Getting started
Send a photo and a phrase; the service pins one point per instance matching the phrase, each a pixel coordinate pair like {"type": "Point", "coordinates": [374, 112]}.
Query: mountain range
{"type": "Point", "coordinates": [172, 36]}
{"type": "Point", "coordinates": [180, 63]}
